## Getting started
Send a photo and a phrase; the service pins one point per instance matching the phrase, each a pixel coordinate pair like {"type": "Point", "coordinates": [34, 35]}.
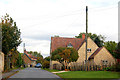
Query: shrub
{"type": "Point", "coordinates": [46, 64]}
{"type": "Point", "coordinates": [116, 67]}
{"type": "Point", "coordinates": [107, 68]}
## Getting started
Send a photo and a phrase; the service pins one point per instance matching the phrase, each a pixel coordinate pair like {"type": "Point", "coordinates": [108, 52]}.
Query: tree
{"type": "Point", "coordinates": [35, 53]}
{"type": "Point", "coordinates": [65, 55]}
{"type": "Point", "coordinates": [47, 58]}
{"type": "Point", "coordinates": [20, 61]}
{"type": "Point", "coordinates": [98, 39]}
{"type": "Point", "coordinates": [10, 34]}
{"type": "Point", "coordinates": [46, 64]}
{"type": "Point", "coordinates": [39, 60]}
{"type": "Point", "coordinates": [117, 51]}
{"type": "Point", "coordinates": [111, 47]}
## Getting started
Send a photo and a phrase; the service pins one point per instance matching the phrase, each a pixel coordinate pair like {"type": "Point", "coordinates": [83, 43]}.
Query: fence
{"type": "Point", "coordinates": [83, 67]}
{"type": "Point", "coordinates": [88, 68]}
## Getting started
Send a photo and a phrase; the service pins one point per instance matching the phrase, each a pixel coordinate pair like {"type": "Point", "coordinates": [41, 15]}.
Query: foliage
{"type": "Point", "coordinates": [35, 53]}
{"type": "Point", "coordinates": [46, 64]}
{"type": "Point", "coordinates": [47, 58]}
{"type": "Point", "coordinates": [115, 67]}
{"type": "Point", "coordinates": [20, 61]}
{"type": "Point", "coordinates": [117, 51]}
{"type": "Point", "coordinates": [10, 38]}
{"type": "Point", "coordinates": [38, 55]}
{"type": "Point", "coordinates": [98, 39]}
{"type": "Point", "coordinates": [111, 47]}
{"type": "Point", "coordinates": [107, 69]}
{"type": "Point", "coordinates": [56, 35]}
{"type": "Point", "coordinates": [10, 34]}
{"type": "Point", "coordinates": [14, 56]}
{"type": "Point", "coordinates": [39, 60]}
{"type": "Point", "coordinates": [66, 55]}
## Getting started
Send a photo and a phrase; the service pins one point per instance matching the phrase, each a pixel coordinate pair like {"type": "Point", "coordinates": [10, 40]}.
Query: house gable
{"type": "Point", "coordinates": [29, 59]}
{"type": "Point", "coordinates": [103, 55]}
{"type": "Point", "coordinates": [81, 51]}
{"type": "Point", "coordinates": [26, 59]}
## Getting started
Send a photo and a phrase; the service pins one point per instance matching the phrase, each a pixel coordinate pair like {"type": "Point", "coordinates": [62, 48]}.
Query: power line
{"type": "Point", "coordinates": [78, 12]}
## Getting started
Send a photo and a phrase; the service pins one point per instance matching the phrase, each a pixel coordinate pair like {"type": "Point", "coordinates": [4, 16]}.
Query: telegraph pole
{"type": "Point", "coordinates": [23, 47]}
{"type": "Point", "coordinates": [50, 60]}
{"type": "Point", "coordinates": [86, 34]}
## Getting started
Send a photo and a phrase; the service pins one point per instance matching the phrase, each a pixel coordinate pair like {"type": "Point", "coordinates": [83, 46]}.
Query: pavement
{"type": "Point", "coordinates": [8, 74]}
{"type": "Point", "coordinates": [34, 74]}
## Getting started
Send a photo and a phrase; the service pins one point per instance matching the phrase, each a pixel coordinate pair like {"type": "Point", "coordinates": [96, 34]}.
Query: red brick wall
{"type": "Point", "coordinates": [26, 59]}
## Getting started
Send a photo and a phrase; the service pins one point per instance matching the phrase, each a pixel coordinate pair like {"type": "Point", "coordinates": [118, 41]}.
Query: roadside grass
{"type": "Point", "coordinates": [89, 74]}
{"type": "Point", "coordinates": [53, 70]}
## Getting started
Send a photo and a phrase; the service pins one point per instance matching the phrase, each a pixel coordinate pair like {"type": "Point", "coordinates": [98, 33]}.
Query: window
{"type": "Point", "coordinates": [88, 50]}
{"type": "Point", "coordinates": [70, 45]}
{"type": "Point", "coordinates": [104, 62]}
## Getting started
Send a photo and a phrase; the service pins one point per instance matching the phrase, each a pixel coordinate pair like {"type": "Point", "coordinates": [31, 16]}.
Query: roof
{"type": "Point", "coordinates": [95, 53]}
{"type": "Point", "coordinates": [31, 57]}
{"type": "Point", "coordinates": [57, 42]}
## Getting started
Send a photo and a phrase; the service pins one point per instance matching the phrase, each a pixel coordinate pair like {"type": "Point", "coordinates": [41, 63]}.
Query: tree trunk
{"type": "Point", "coordinates": [65, 65]}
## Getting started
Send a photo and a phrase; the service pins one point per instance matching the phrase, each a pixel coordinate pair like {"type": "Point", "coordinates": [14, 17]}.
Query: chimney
{"type": "Point", "coordinates": [83, 36]}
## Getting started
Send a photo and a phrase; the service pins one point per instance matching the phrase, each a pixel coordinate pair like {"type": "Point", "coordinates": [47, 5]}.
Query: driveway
{"type": "Point", "coordinates": [34, 74]}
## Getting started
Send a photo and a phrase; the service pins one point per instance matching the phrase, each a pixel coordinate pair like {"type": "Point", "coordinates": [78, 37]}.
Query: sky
{"type": "Point", "coordinates": [39, 20]}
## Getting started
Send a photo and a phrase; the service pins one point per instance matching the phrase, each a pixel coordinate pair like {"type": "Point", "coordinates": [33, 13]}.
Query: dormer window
{"type": "Point", "coordinates": [70, 45]}
{"type": "Point", "coordinates": [89, 50]}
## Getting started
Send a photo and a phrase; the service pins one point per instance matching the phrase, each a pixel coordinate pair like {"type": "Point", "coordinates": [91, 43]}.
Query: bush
{"type": "Point", "coordinates": [107, 68]}
{"type": "Point", "coordinates": [46, 64]}
{"type": "Point", "coordinates": [116, 67]}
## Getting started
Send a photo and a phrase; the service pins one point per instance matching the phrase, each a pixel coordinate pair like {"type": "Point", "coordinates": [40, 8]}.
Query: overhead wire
{"type": "Point", "coordinates": [77, 12]}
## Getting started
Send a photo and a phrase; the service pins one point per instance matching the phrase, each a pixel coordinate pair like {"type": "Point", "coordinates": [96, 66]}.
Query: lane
{"type": "Point", "coordinates": [33, 73]}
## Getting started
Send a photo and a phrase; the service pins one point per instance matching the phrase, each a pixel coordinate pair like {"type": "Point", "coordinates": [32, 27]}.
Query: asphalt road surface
{"type": "Point", "coordinates": [34, 74]}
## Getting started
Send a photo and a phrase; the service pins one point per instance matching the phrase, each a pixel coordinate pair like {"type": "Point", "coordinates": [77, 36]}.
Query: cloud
{"type": "Point", "coordinates": [42, 46]}
{"type": "Point", "coordinates": [101, 3]}
{"type": "Point", "coordinates": [40, 19]}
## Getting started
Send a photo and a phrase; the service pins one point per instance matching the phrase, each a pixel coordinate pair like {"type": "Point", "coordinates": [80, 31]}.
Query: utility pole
{"type": "Point", "coordinates": [51, 67]}
{"type": "Point", "coordinates": [23, 47]}
{"type": "Point", "coordinates": [86, 35]}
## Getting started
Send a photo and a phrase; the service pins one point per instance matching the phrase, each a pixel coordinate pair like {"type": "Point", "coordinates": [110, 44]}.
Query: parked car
{"type": "Point", "coordinates": [38, 65]}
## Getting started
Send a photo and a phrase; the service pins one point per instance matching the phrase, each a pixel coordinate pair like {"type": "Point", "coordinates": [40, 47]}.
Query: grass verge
{"type": "Point", "coordinates": [89, 74]}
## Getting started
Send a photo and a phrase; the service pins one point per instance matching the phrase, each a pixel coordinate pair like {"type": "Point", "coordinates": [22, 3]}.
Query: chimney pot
{"type": "Point", "coordinates": [83, 36]}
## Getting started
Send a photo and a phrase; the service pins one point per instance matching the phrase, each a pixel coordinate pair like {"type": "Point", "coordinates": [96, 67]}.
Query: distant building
{"type": "Point", "coordinates": [95, 55]}
{"type": "Point", "coordinates": [29, 59]}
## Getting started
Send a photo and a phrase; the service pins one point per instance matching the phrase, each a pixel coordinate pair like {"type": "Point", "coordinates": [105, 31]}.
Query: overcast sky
{"type": "Point", "coordinates": [38, 20]}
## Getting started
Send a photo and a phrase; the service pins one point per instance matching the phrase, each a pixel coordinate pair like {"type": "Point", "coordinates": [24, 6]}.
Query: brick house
{"type": "Point", "coordinates": [29, 59]}
{"type": "Point", "coordinates": [95, 55]}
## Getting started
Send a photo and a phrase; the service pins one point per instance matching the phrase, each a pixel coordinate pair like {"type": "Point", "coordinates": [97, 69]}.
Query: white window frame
{"type": "Point", "coordinates": [104, 62]}
{"type": "Point", "coordinates": [89, 50]}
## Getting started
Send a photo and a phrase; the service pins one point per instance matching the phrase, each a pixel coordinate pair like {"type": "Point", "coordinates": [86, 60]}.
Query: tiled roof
{"type": "Point", "coordinates": [96, 52]}
{"type": "Point", "coordinates": [57, 42]}
{"type": "Point", "coordinates": [33, 58]}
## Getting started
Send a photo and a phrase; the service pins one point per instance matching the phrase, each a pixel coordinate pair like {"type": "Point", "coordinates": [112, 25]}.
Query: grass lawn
{"type": "Point", "coordinates": [53, 70]}
{"type": "Point", "coordinates": [89, 74]}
